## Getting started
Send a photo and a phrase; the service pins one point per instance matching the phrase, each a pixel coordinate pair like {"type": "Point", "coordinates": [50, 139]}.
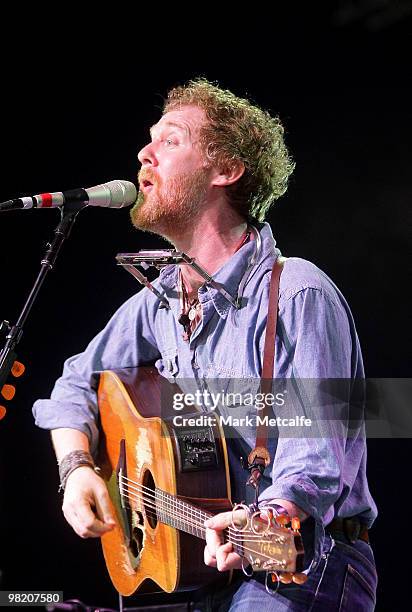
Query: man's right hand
{"type": "Point", "coordinates": [86, 503]}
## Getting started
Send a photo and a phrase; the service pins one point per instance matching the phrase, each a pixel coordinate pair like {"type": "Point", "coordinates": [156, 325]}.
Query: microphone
{"type": "Point", "coordinates": [114, 194]}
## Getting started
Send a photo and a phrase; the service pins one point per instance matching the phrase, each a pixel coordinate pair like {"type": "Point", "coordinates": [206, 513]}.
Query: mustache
{"type": "Point", "coordinates": [147, 174]}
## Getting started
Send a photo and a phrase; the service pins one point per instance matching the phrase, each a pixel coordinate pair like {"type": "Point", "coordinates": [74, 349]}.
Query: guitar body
{"type": "Point", "coordinates": [142, 450]}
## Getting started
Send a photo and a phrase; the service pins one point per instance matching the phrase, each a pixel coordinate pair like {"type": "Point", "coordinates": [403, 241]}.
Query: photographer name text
{"type": "Point", "coordinates": [208, 420]}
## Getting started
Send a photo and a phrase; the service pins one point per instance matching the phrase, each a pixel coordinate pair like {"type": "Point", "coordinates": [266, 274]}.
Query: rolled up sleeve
{"type": "Point", "coordinates": [126, 341]}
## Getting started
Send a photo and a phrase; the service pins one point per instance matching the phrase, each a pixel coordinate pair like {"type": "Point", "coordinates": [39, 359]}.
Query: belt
{"type": "Point", "coordinates": [348, 529]}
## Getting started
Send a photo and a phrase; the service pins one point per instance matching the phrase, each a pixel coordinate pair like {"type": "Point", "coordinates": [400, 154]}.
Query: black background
{"type": "Point", "coordinates": [76, 113]}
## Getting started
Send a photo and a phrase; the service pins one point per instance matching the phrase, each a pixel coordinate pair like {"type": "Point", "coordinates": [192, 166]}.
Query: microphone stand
{"type": "Point", "coordinates": [15, 332]}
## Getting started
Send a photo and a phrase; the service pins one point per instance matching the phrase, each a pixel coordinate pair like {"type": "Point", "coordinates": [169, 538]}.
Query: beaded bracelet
{"type": "Point", "coordinates": [71, 462]}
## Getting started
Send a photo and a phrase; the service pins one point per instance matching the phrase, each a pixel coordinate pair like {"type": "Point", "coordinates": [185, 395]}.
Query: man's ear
{"type": "Point", "coordinates": [229, 174]}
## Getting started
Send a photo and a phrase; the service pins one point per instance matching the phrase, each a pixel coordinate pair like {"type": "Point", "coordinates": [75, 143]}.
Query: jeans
{"type": "Point", "coordinates": [344, 580]}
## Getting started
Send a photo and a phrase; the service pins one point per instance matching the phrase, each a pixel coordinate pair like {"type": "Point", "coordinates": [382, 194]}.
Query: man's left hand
{"type": "Point", "coordinates": [217, 553]}
{"type": "Point", "coordinates": [220, 554]}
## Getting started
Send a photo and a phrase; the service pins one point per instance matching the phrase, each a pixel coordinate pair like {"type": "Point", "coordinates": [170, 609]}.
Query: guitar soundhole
{"type": "Point", "coordinates": [149, 499]}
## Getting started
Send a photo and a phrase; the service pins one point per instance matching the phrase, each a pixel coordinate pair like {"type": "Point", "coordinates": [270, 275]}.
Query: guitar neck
{"type": "Point", "coordinates": [185, 517]}
{"type": "Point", "coordinates": [180, 514]}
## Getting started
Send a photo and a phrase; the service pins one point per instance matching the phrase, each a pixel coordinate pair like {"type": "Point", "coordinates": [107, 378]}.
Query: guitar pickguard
{"type": "Point", "coordinates": [130, 515]}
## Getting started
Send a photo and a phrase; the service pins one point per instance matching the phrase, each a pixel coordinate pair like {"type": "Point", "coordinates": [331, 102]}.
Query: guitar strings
{"type": "Point", "coordinates": [194, 512]}
{"type": "Point", "coordinates": [235, 537]}
{"type": "Point", "coordinates": [162, 504]}
{"type": "Point", "coordinates": [229, 539]}
{"type": "Point", "coordinates": [201, 513]}
{"type": "Point", "coordinates": [198, 526]}
{"type": "Point", "coordinates": [175, 502]}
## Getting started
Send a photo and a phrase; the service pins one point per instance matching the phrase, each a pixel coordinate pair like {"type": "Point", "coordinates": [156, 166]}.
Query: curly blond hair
{"type": "Point", "coordinates": [238, 130]}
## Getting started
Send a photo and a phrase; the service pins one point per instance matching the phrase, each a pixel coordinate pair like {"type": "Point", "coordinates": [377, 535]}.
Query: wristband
{"type": "Point", "coordinates": [71, 462]}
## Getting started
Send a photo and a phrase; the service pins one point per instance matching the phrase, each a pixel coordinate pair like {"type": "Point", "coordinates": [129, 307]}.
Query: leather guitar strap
{"type": "Point", "coordinates": [259, 457]}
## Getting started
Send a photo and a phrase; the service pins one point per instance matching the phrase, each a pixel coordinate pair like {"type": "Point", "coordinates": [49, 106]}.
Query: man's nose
{"type": "Point", "coordinates": [146, 156]}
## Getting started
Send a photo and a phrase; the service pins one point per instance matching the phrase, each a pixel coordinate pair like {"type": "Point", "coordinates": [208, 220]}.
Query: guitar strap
{"type": "Point", "coordinates": [259, 457]}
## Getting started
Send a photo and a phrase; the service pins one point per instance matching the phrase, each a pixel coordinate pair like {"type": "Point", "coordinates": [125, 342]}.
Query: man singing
{"type": "Point", "coordinates": [213, 167]}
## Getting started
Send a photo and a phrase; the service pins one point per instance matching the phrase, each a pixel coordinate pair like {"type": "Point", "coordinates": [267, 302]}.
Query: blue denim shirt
{"type": "Point", "coordinates": [325, 473]}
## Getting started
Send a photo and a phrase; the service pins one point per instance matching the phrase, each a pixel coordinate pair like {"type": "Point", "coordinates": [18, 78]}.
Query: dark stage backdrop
{"type": "Point", "coordinates": [342, 91]}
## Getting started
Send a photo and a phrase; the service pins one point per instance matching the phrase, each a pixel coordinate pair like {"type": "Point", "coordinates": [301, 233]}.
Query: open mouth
{"type": "Point", "coordinates": [146, 185]}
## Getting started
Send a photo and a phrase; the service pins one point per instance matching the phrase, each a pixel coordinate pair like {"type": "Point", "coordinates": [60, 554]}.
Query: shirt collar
{"type": "Point", "coordinates": [229, 275]}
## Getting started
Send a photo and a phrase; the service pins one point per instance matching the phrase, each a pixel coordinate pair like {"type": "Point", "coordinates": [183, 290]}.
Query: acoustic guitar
{"type": "Point", "coordinates": [164, 481]}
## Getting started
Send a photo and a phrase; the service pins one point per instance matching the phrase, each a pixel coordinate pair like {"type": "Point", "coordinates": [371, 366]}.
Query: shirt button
{"type": "Point", "coordinates": [195, 365]}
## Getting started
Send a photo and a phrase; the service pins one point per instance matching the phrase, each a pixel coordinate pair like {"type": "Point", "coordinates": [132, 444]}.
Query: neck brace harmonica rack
{"type": "Point", "coordinates": [162, 258]}
{"type": "Point", "coordinates": [165, 257]}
